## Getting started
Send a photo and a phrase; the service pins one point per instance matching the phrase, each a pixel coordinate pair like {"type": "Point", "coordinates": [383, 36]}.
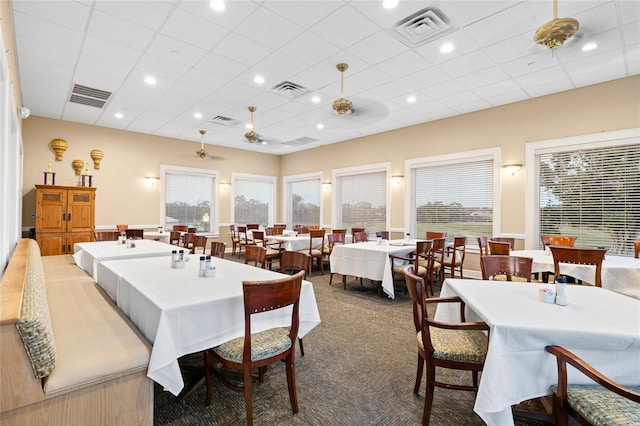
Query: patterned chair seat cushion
{"type": "Point", "coordinates": [602, 407]}
{"type": "Point", "coordinates": [457, 345]}
{"type": "Point", "coordinates": [314, 252]}
{"type": "Point", "coordinates": [264, 344]}
{"type": "Point", "coordinates": [400, 269]}
{"type": "Point", "coordinates": [447, 260]}
{"type": "Point", "coordinates": [272, 253]}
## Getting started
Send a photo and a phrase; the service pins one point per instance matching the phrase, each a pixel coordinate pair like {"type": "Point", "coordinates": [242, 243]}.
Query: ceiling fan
{"type": "Point", "coordinates": [251, 135]}
{"type": "Point", "coordinates": [554, 33]}
{"type": "Point", "coordinates": [201, 152]}
{"type": "Point", "coordinates": [342, 106]}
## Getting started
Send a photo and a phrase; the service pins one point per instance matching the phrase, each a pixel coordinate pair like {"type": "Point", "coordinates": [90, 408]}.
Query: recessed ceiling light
{"type": "Point", "coordinates": [197, 115]}
{"type": "Point", "coordinates": [319, 126]}
{"type": "Point", "coordinates": [150, 80]}
{"type": "Point", "coordinates": [411, 99]}
{"type": "Point", "coordinates": [589, 47]}
{"type": "Point", "coordinates": [389, 4]}
{"type": "Point", "coordinates": [447, 48]}
{"type": "Point", "coordinates": [217, 5]}
{"type": "Point", "coordinates": [119, 115]}
{"type": "Point", "coordinates": [258, 79]}
{"type": "Point", "coordinates": [264, 142]}
{"type": "Point", "coordinates": [315, 99]}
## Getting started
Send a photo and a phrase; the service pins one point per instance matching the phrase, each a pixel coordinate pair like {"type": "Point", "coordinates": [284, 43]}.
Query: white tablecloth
{"type": "Point", "coordinates": [619, 274]}
{"type": "Point", "coordinates": [181, 313]}
{"type": "Point", "coordinates": [369, 260]}
{"type": "Point", "coordinates": [163, 236]}
{"type": "Point", "coordinates": [601, 326]}
{"type": "Point", "coordinates": [89, 255]}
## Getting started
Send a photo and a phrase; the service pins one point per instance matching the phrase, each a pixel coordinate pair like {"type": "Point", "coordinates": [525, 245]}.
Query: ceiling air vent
{"type": "Point", "coordinates": [300, 141]}
{"type": "Point", "coordinates": [224, 121]}
{"type": "Point", "coordinates": [89, 96]}
{"type": "Point", "coordinates": [422, 27]}
{"type": "Point", "coordinates": [289, 89]}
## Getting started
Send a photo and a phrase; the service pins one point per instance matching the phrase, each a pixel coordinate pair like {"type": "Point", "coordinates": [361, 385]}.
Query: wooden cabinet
{"type": "Point", "coordinates": [64, 216]}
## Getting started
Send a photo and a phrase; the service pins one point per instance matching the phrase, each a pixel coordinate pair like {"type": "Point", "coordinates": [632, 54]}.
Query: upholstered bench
{"type": "Point", "coordinates": [67, 354]}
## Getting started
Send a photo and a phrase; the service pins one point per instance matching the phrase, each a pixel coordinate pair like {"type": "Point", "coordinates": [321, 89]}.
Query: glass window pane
{"type": "Point", "coordinates": [304, 202]}
{"type": "Point", "coordinates": [362, 201]}
{"type": "Point", "coordinates": [189, 200]}
{"type": "Point", "coordinates": [253, 201]}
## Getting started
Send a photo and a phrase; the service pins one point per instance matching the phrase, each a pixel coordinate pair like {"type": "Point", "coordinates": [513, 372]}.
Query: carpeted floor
{"type": "Point", "coordinates": [359, 369]}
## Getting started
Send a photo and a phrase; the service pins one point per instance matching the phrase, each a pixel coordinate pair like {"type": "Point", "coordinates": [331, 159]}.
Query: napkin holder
{"type": "Point", "coordinates": [210, 272]}
{"type": "Point", "coordinates": [179, 264]}
{"type": "Point", "coordinates": [547, 295]}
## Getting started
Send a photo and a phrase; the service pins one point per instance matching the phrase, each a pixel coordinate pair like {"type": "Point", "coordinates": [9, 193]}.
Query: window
{"type": "Point", "coordinates": [456, 193]}
{"type": "Point", "coordinates": [589, 187]}
{"type": "Point", "coordinates": [361, 197]}
{"type": "Point", "coordinates": [302, 199]}
{"type": "Point", "coordinates": [189, 198]}
{"type": "Point", "coordinates": [254, 198]}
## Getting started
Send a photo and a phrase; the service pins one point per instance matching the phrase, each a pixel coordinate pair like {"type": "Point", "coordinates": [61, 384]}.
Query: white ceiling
{"type": "Point", "coordinates": [205, 61]}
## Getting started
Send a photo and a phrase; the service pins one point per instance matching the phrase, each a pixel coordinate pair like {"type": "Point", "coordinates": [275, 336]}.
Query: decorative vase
{"type": "Point", "coordinates": [59, 146]}
{"type": "Point", "coordinates": [96, 156]}
{"type": "Point", "coordinates": [77, 166]}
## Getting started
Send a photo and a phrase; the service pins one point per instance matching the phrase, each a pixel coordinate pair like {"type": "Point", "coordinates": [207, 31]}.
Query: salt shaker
{"type": "Point", "coordinates": [208, 264]}
{"type": "Point", "coordinates": [181, 255]}
{"type": "Point", "coordinates": [202, 266]}
{"type": "Point", "coordinates": [561, 291]}
{"type": "Point", "coordinates": [174, 257]}
{"type": "Point", "coordinates": [408, 239]}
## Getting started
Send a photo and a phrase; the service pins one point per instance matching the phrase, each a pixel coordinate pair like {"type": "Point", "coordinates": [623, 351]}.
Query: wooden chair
{"type": "Point", "coordinates": [180, 228]}
{"type": "Point", "coordinates": [454, 256]}
{"type": "Point", "coordinates": [175, 238]}
{"type": "Point", "coordinates": [292, 262]}
{"type": "Point", "coordinates": [192, 229]}
{"type": "Point", "coordinates": [302, 230]}
{"type": "Point", "coordinates": [605, 402]}
{"type": "Point", "coordinates": [275, 345]}
{"type": "Point", "coordinates": [253, 226]}
{"type": "Point", "coordinates": [435, 234]}
{"type": "Point", "coordinates": [121, 227]}
{"type": "Point", "coordinates": [636, 246]}
{"type": "Point", "coordinates": [558, 240]}
{"type": "Point", "coordinates": [422, 261]}
{"type": "Point", "coordinates": [189, 241]}
{"type": "Point", "coordinates": [218, 249]}
{"type": "Point", "coordinates": [499, 248]}
{"type": "Point", "coordinates": [506, 268]}
{"type": "Point", "coordinates": [332, 240]}
{"type": "Point", "coordinates": [200, 242]}
{"type": "Point", "coordinates": [272, 230]}
{"type": "Point", "coordinates": [273, 250]}
{"type": "Point", "coordinates": [134, 233]}
{"type": "Point", "coordinates": [459, 346]}
{"type": "Point", "coordinates": [243, 239]}
{"type": "Point", "coordinates": [316, 237]}
{"type": "Point", "coordinates": [483, 245]}
{"type": "Point", "coordinates": [360, 237]}
{"type": "Point", "coordinates": [581, 256]}
{"type": "Point", "coordinates": [235, 240]}
{"type": "Point", "coordinates": [354, 230]}
{"type": "Point", "coordinates": [256, 254]}
{"type": "Point", "coordinates": [280, 225]}
{"type": "Point", "coordinates": [437, 251]}
{"type": "Point", "coordinates": [106, 235]}
{"type": "Point", "coordinates": [385, 235]}
{"type": "Point", "coordinates": [339, 231]}
{"type": "Point", "coordinates": [510, 240]}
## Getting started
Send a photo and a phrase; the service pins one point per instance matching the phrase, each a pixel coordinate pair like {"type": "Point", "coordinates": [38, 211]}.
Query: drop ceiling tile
{"type": "Point", "coordinates": [134, 96]}
{"type": "Point", "coordinates": [234, 14]}
{"type": "Point", "coordinates": [119, 31]}
{"type": "Point", "coordinates": [372, 77]}
{"type": "Point", "coordinates": [631, 34]}
{"type": "Point", "coordinates": [241, 49]}
{"type": "Point", "coordinates": [555, 86]}
{"type": "Point", "coordinates": [195, 77]}
{"type": "Point", "coordinates": [496, 89]}
{"type": "Point", "coordinates": [101, 67]}
{"type": "Point", "coordinates": [462, 42]}
{"type": "Point", "coordinates": [275, 69]}
{"type": "Point", "coordinates": [303, 13]}
{"type": "Point", "coordinates": [221, 66]}
{"type": "Point", "coordinates": [175, 50]}
{"type": "Point", "coordinates": [460, 99]}
{"type": "Point", "coordinates": [438, 91]}
{"type": "Point", "coordinates": [81, 113]}
{"type": "Point", "coordinates": [146, 13]}
{"type": "Point", "coordinates": [309, 48]}
{"type": "Point", "coordinates": [629, 11]}
{"type": "Point", "coordinates": [378, 47]}
{"type": "Point", "coordinates": [425, 78]}
{"type": "Point", "coordinates": [160, 67]}
{"type": "Point", "coordinates": [45, 51]}
{"type": "Point", "coordinates": [388, 18]}
{"type": "Point", "coordinates": [404, 64]}
{"type": "Point", "coordinates": [268, 28]}
{"type": "Point", "coordinates": [514, 20]}
{"type": "Point", "coordinates": [100, 81]}
{"type": "Point", "coordinates": [179, 98]}
{"type": "Point", "coordinates": [597, 62]}
{"type": "Point", "coordinates": [344, 27]}
{"type": "Point", "coordinates": [530, 64]}
{"type": "Point", "coordinates": [193, 29]}
{"type": "Point", "coordinates": [608, 40]}
{"type": "Point", "coordinates": [466, 64]}
{"type": "Point", "coordinates": [463, 13]}
{"type": "Point", "coordinates": [597, 20]}
{"type": "Point", "coordinates": [74, 15]}
{"type": "Point", "coordinates": [44, 103]}
{"type": "Point", "coordinates": [483, 78]}
{"type": "Point", "coordinates": [31, 27]}
{"type": "Point", "coordinates": [507, 98]}
{"type": "Point", "coordinates": [542, 77]}
{"type": "Point", "coordinates": [110, 51]}
{"type": "Point", "coordinates": [598, 76]}
{"type": "Point", "coordinates": [512, 48]}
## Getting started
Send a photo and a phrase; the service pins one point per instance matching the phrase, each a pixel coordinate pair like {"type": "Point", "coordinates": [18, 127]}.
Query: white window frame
{"type": "Point", "coordinates": [214, 220]}
{"type": "Point", "coordinates": [493, 154]}
{"type": "Point", "coordinates": [358, 170]}
{"type": "Point", "coordinates": [573, 143]}
{"type": "Point", "coordinates": [257, 178]}
{"type": "Point", "coordinates": [286, 196]}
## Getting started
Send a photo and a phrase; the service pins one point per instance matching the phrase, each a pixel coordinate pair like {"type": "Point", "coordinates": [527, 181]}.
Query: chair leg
{"type": "Point", "coordinates": [416, 388]}
{"type": "Point", "coordinates": [291, 382]}
{"type": "Point", "coordinates": [301, 346]}
{"type": "Point", "coordinates": [247, 395]}
{"type": "Point", "coordinates": [428, 397]}
{"type": "Point", "coordinates": [320, 265]}
{"type": "Point", "coordinates": [474, 378]}
{"type": "Point", "coordinates": [208, 365]}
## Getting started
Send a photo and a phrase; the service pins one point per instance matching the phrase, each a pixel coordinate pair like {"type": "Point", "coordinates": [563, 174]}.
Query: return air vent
{"type": "Point", "coordinates": [89, 96]}
{"type": "Point", "coordinates": [422, 27]}
{"type": "Point", "coordinates": [224, 121]}
{"type": "Point", "coordinates": [289, 89]}
{"type": "Point", "coordinates": [300, 141]}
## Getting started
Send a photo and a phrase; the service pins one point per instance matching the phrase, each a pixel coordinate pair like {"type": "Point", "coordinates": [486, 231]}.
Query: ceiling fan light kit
{"type": "Point", "coordinates": [201, 152]}
{"type": "Point", "coordinates": [342, 106]}
{"type": "Point", "coordinates": [252, 136]}
{"type": "Point", "coordinates": [554, 33]}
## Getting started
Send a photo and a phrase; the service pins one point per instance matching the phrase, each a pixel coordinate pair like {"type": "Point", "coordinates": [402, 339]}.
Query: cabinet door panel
{"type": "Point", "coordinates": [52, 244]}
{"type": "Point", "coordinates": [51, 210]}
{"type": "Point", "coordinates": [80, 211]}
{"type": "Point", "coordinates": [78, 238]}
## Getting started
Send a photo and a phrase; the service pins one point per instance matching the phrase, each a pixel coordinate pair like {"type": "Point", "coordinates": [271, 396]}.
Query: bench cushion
{"type": "Point", "coordinates": [95, 341]}
{"type": "Point", "coordinates": [34, 325]}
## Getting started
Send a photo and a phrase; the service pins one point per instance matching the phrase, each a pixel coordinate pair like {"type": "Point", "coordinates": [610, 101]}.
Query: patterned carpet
{"type": "Point", "coordinates": [359, 369]}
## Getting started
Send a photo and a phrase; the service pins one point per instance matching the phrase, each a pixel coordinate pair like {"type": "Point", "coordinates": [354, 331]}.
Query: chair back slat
{"type": "Point", "coordinates": [580, 256]}
{"type": "Point", "coordinates": [509, 266]}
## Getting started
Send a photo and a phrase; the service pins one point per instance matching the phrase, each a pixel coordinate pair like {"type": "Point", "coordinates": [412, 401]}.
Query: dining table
{"type": "Point", "coordinates": [619, 273]}
{"type": "Point", "coordinates": [181, 313]}
{"type": "Point", "coordinates": [369, 259]}
{"type": "Point", "coordinates": [88, 255]}
{"type": "Point", "coordinates": [600, 326]}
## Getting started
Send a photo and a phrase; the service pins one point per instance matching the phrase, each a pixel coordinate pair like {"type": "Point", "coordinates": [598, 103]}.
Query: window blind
{"type": "Point", "coordinates": [189, 200]}
{"type": "Point", "coordinates": [252, 202]}
{"type": "Point", "coordinates": [593, 194]}
{"type": "Point", "coordinates": [304, 202]}
{"type": "Point", "coordinates": [454, 197]}
{"type": "Point", "coordinates": [362, 201]}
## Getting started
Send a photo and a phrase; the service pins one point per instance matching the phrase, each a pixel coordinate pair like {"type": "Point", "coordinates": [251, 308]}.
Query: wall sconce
{"type": "Point", "coordinates": [397, 179]}
{"type": "Point", "coordinates": [512, 168]}
{"type": "Point", "coordinates": [224, 186]}
{"type": "Point", "coordinates": [151, 180]}
{"type": "Point", "coordinates": [326, 185]}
